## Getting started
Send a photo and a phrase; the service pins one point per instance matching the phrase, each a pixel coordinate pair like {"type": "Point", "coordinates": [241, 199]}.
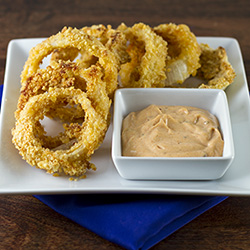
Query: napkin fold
{"type": "Point", "coordinates": [129, 220]}
{"type": "Point", "coordinates": [133, 221]}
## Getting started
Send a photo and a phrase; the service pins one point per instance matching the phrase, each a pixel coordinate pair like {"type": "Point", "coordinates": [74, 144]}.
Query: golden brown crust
{"type": "Point", "coordinates": [183, 52]}
{"type": "Point", "coordinates": [65, 90]}
{"type": "Point", "coordinates": [148, 53]}
{"type": "Point", "coordinates": [113, 39]}
{"type": "Point", "coordinates": [77, 39]}
{"type": "Point", "coordinates": [215, 68]}
{"type": "Point", "coordinates": [88, 136]}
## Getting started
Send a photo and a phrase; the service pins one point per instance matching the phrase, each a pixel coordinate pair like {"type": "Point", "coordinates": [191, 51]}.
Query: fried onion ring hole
{"type": "Point", "coordinates": [183, 52]}
{"type": "Point", "coordinates": [89, 135]}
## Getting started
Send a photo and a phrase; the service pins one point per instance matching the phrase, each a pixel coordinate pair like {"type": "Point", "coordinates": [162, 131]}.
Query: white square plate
{"type": "Point", "coordinates": [18, 177]}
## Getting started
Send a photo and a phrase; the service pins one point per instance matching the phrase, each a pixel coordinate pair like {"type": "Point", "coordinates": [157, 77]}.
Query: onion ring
{"type": "Point", "coordinates": [148, 53]}
{"type": "Point", "coordinates": [89, 135]}
{"type": "Point", "coordinates": [74, 38]}
{"type": "Point", "coordinates": [183, 52]}
{"type": "Point", "coordinates": [68, 91]}
{"type": "Point", "coordinates": [112, 39]}
{"type": "Point", "coordinates": [215, 68]}
{"type": "Point", "coordinates": [65, 76]}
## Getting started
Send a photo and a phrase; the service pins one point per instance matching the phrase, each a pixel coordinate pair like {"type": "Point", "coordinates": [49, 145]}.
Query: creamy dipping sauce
{"type": "Point", "coordinates": [171, 131]}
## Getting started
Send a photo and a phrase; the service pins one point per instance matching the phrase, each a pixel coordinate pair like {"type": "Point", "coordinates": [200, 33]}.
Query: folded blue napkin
{"type": "Point", "coordinates": [133, 221]}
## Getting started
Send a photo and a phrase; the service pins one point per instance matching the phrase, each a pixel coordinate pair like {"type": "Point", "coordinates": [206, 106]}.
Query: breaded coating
{"type": "Point", "coordinates": [215, 68]}
{"type": "Point", "coordinates": [183, 52]}
{"type": "Point", "coordinates": [148, 53]}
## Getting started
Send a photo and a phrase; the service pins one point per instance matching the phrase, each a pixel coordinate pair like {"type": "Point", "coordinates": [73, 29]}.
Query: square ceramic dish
{"type": "Point", "coordinates": [172, 168]}
{"type": "Point", "coordinates": [17, 177]}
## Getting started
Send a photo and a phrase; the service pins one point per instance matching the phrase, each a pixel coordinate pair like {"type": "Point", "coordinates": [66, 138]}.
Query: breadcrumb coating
{"type": "Point", "coordinates": [215, 68]}
{"type": "Point", "coordinates": [148, 53]}
{"type": "Point", "coordinates": [183, 52]}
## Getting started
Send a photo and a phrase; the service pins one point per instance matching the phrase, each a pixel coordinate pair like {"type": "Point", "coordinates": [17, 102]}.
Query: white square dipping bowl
{"type": "Point", "coordinates": [172, 168]}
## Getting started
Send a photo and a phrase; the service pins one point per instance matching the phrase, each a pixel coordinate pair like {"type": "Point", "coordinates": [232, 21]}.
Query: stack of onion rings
{"type": "Point", "coordinates": [66, 90]}
{"type": "Point", "coordinates": [169, 62]}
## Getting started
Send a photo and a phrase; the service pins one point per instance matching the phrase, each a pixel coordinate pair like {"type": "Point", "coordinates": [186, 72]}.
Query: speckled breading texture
{"type": "Point", "coordinates": [65, 90]}
{"type": "Point", "coordinates": [183, 52]}
{"type": "Point", "coordinates": [64, 75]}
{"type": "Point", "coordinates": [74, 38]}
{"type": "Point", "coordinates": [89, 135]}
{"type": "Point", "coordinates": [215, 68]}
{"type": "Point", "coordinates": [54, 90]}
{"type": "Point", "coordinates": [148, 53]}
{"type": "Point", "coordinates": [112, 39]}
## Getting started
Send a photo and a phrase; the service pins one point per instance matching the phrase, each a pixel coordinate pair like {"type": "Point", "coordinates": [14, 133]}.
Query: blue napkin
{"type": "Point", "coordinates": [133, 221]}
